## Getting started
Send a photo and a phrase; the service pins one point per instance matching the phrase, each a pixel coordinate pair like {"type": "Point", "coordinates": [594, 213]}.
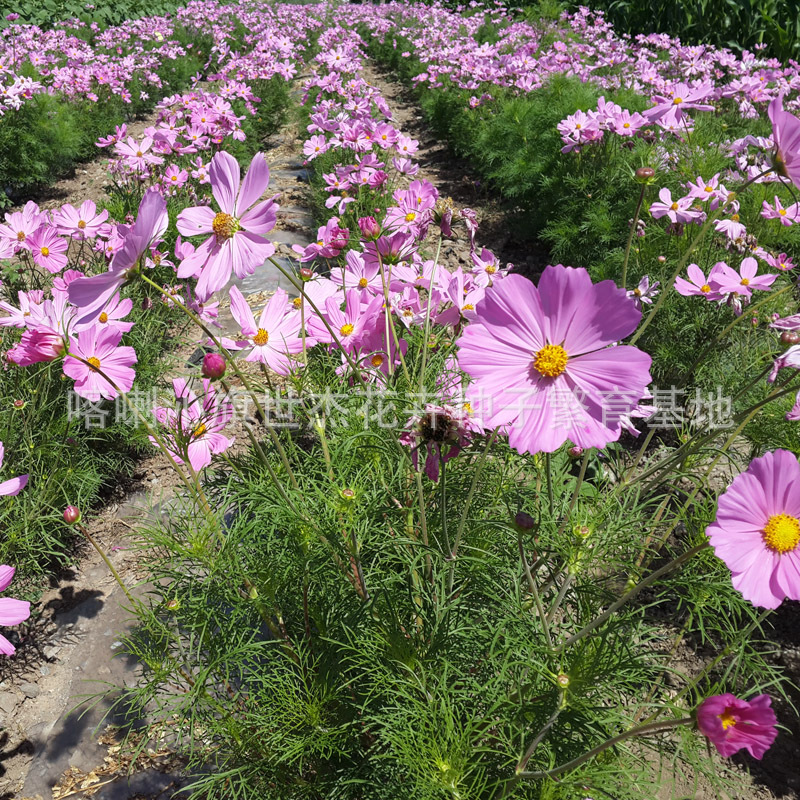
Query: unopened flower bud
{"type": "Point", "coordinates": [174, 604]}
{"type": "Point", "coordinates": [369, 227]}
{"type": "Point", "coordinates": [348, 494]}
{"type": "Point", "coordinates": [147, 304]}
{"type": "Point", "coordinates": [644, 174]}
{"type": "Point", "coordinates": [306, 274]}
{"type": "Point", "coordinates": [19, 404]}
{"type": "Point", "coordinates": [213, 366]}
{"type": "Point", "coordinates": [524, 522]}
{"type": "Point", "coordinates": [662, 259]}
{"type": "Point", "coordinates": [575, 451]}
{"type": "Point", "coordinates": [790, 337]}
{"type": "Point", "coordinates": [72, 515]}
{"type": "Point", "coordinates": [562, 679]}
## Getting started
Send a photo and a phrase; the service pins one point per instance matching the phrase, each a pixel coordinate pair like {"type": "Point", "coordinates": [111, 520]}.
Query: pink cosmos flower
{"type": "Point", "coordinates": [174, 177]}
{"type": "Point", "coordinates": [644, 292]}
{"type": "Point", "coordinates": [782, 262]}
{"type": "Point", "coordinates": [13, 486]}
{"type": "Point", "coordinates": [276, 337]}
{"type": "Point", "coordinates": [48, 249]}
{"type": "Point", "coordinates": [350, 325]}
{"type": "Point", "coordinates": [732, 724]}
{"type": "Point", "coordinates": [726, 280]}
{"type": "Point", "coordinates": [136, 154]}
{"type": "Point", "coordinates": [357, 274]}
{"type": "Point", "coordinates": [237, 243]}
{"type": "Point", "coordinates": [314, 147]}
{"type": "Point", "coordinates": [98, 346]}
{"type": "Point", "coordinates": [676, 210]}
{"type": "Point", "coordinates": [757, 530]}
{"type": "Point", "coordinates": [698, 285]}
{"type": "Point", "coordinates": [786, 135]}
{"type": "Point", "coordinates": [12, 611]}
{"type": "Point", "coordinates": [542, 363]}
{"type": "Point", "coordinates": [194, 427]}
{"type": "Point", "coordinates": [81, 223]}
{"type": "Point", "coordinates": [787, 215]}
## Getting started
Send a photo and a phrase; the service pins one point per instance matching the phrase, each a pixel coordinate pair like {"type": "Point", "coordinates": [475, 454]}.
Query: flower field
{"type": "Point", "coordinates": [479, 487]}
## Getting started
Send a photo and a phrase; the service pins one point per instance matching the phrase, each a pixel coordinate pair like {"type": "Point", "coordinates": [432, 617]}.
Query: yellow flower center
{"type": "Point", "coordinates": [362, 284]}
{"type": "Point", "coordinates": [94, 363]}
{"type": "Point", "coordinates": [782, 212]}
{"type": "Point", "coordinates": [709, 189]}
{"type": "Point", "coordinates": [626, 125]}
{"type": "Point", "coordinates": [468, 307]}
{"type": "Point", "coordinates": [705, 288]}
{"type": "Point", "coordinates": [81, 224]}
{"type": "Point", "coordinates": [376, 360]}
{"type": "Point", "coordinates": [138, 153]}
{"type": "Point", "coordinates": [103, 317]}
{"type": "Point", "coordinates": [199, 430]}
{"type": "Point", "coordinates": [551, 360]}
{"type": "Point", "coordinates": [45, 251]}
{"type": "Point", "coordinates": [21, 236]}
{"type": "Point", "coordinates": [297, 302]}
{"type": "Point", "coordinates": [346, 329]}
{"type": "Point", "coordinates": [745, 282]}
{"type": "Point", "coordinates": [637, 292]}
{"type": "Point", "coordinates": [224, 225]}
{"type": "Point", "coordinates": [261, 338]}
{"type": "Point", "coordinates": [674, 207]}
{"type": "Point", "coordinates": [782, 533]}
{"type": "Point", "coordinates": [490, 270]}
{"type": "Point", "coordinates": [467, 409]}
{"type": "Point", "coordinates": [577, 126]}
{"type": "Point", "coordinates": [727, 719]}
{"type": "Point", "coordinates": [735, 217]}
{"type": "Point", "coordinates": [677, 101]}
{"type": "Point", "coordinates": [173, 177]}
{"type": "Point", "coordinates": [411, 216]}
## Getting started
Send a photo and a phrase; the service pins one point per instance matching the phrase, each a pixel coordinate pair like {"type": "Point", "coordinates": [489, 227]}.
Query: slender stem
{"type": "Point", "coordinates": [574, 498]}
{"type": "Point", "coordinates": [476, 474]}
{"type": "Point", "coordinates": [649, 438]}
{"type": "Point", "coordinates": [641, 730]}
{"type": "Point", "coordinates": [427, 326]}
{"type": "Point", "coordinates": [423, 524]}
{"type": "Point", "coordinates": [629, 595]}
{"type": "Point", "coordinates": [548, 468]}
{"type": "Point", "coordinates": [108, 564]}
{"type": "Point", "coordinates": [560, 598]}
{"type": "Point", "coordinates": [631, 235]}
{"type": "Point", "coordinates": [535, 592]}
{"type": "Point", "coordinates": [443, 502]}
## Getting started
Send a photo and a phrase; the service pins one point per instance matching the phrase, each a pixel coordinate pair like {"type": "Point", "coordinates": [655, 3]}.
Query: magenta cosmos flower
{"type": "Point", "coordinates": [98, 349]}
{"type": "Point", "coordinates": [757, 530]}
{"type": "Point", "coordinates": [237, 243]}
{"type": "Point", "coordinates": [733, 724]}
{"type": "Point", "coordinates": [13, 486]}
{"type": "Point", "coordinates": [786, 135]}
{"type": "Point", "coordinates": [541, 361]}
{"type": "Point", "coordinates": [12, 611]}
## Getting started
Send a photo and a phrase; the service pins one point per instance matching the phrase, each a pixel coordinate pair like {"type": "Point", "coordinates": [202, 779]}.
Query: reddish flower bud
{"type": "Point", "coordinates": [644, 174]}
{"type": "Point", "coordinates": [72, 515]}
{"type": "Point", "coordinates": [306, 274]}
{"type": "Point", "coordinates": [790, 337]}
{"type": "Point", "coordinates": [575, 451]}
{"type": "Point", "coordinates": [524, 521]}
{"type": "Point", "coordinates": [369, 227]}
{"type": "Point", "coordinates": [213, 366]}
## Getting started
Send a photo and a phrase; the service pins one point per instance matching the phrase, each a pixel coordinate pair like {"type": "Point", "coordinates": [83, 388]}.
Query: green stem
{"type": "Point", "coordinates": [629, 595]}
{"type": "Point", "coordinates": [427, 326]}
{"type": "Point", "coordinates": [535, 592]}
{"type": "Point", "coordinates": [641, 730]}
{"type": "Point", "coordinates": [631, 235]}
{"type": "Point", "coordinates": [109, 565]}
